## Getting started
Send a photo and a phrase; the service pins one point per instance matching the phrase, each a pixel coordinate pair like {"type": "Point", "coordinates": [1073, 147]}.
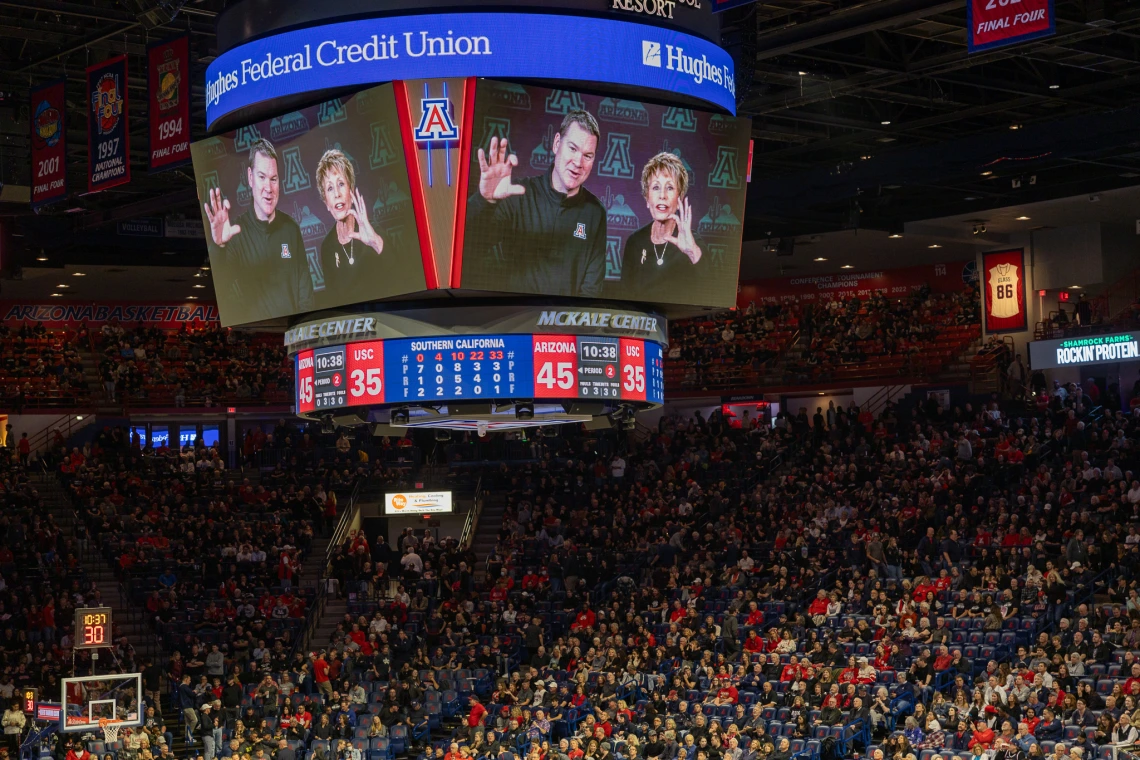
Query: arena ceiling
{"type": "Point", "coordinates": [867, 115]}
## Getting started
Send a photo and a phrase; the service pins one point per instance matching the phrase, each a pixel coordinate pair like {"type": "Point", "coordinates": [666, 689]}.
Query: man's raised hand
{"type": "Point", "coordinates": [218, 214]}
{"type": "Point", "coordinates": [495, 168]}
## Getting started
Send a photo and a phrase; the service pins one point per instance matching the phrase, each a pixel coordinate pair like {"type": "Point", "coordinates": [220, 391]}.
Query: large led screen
{"type": "Point", "coordinates": [582, 195]}
{"type": "Point", "coordinates": [309, 210]}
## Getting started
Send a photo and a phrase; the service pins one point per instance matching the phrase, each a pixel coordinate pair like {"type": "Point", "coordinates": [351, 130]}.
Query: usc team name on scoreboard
{"type": "Point", "coordinates": [462, 368]}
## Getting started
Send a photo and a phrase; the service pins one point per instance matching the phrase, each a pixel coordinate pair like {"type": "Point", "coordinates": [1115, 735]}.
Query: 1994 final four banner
{"type": "Point", "coordinates": [168, 88]}
{"type": "Point", "coordinates": [1003, 273]}
{"type": "Point", "coordinates": [108, 136]}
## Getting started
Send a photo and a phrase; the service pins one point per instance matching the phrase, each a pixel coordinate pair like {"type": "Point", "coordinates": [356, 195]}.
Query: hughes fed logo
{"type": "Point", "coordinates": [673, 57]}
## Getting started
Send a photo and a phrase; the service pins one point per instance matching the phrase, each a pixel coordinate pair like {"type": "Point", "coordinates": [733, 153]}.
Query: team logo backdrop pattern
{"type": "Point", "coordinates": [365, 128]}
{"type": "Point", "coordinates": [712, 147]}
{"type": "Point", "coordinates": [1004, 291]}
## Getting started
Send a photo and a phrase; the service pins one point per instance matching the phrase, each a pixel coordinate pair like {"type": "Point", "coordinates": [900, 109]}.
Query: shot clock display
{"type": "Point", "coordinates": [473, 367]}
{"type": "Point", "coordinates": [93, 628]}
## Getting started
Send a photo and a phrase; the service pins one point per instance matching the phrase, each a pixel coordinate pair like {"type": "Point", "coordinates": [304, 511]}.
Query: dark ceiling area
{"type": "Point", "coordinates": [867, 115]}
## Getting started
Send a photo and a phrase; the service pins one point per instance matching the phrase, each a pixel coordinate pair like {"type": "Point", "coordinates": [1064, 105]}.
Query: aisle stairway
{"type": "Point", "coordinates": [128, 621]}
{"type": "Point", "coordinates": [487, 531]}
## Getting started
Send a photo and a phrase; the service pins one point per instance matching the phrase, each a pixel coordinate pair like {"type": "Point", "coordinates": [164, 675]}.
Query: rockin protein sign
{"type": "Point", "coordinates": [996, 23]}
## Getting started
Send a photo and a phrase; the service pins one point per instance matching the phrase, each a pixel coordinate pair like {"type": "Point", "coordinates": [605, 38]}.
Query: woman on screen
{"type": "Point", "coordinates": [662, 253]}
{"type": "Point", "coordinates": [349, 253]}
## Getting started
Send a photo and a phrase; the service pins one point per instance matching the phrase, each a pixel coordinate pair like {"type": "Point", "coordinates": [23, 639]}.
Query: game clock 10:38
{"type": "Point", "coordinates": [93, 628]}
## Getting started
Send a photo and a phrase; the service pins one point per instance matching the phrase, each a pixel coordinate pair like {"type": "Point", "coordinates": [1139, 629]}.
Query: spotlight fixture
{"type": "Point", "coordinates": [524, 410]}
{"type": "Point", "coordinates": [400, 416]}
{"type": "Point", "coordinates": [979, 228]}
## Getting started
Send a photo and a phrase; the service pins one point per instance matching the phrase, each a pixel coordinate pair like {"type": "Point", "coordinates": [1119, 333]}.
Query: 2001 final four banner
{"type": "Point", "coordinates": [108, 136]}
{"type": "Point", "coordinates": [1003, 274]}
{"type": "Point", "coordinates": [49, 144]}
{"type": "Point", "coordinates": [168, 90]}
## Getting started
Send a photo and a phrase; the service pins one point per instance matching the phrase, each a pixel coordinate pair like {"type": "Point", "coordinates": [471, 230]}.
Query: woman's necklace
{"type": "Point", "coordinates": [348, 251]}
{"type": "Point", "coordinates": [660, 256]}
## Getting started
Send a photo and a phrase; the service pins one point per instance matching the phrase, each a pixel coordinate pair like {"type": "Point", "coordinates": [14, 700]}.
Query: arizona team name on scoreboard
{"type": "Point", "coordinates": [412, 370]}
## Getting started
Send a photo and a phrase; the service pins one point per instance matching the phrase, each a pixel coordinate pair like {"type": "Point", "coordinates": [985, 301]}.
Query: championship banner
{"type": "Point", "coordinates": [997, 23]}
{"type": "Point", "coordinates": [157, 315]}
{"type": "Point", "coordinates": [892, 283]}
{"type": "Point", "coordinates": [49, 144]}
{"type": "Point", "coordinates": [1004, 291]}
{"type": "Point", "coordinates": [108, 136]}
{"type": "Point", "coordinates": [168, 90]}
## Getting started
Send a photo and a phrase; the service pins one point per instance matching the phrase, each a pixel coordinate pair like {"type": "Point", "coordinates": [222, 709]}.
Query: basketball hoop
{"type": "Point", "coordinates": [110, 729]}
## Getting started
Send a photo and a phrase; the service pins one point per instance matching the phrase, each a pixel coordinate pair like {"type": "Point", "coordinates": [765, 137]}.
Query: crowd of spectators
{"type": "Point", "coordinates": [193, 366]}
{"type": "Point", "coordinates": [951, 582]}
{"type": "Point", "coordinates": [41, 367]}
{"type": "Point", "coordinates": [793, 342]}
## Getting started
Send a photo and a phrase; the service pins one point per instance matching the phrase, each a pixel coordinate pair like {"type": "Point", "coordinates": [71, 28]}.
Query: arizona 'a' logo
{"type": "Point", "coordinates": [285, 254]}
{"type": "Point", "coordinates": [382, 153]}
{"type": "Point", "coordinates": [331, 112]}
{"type": "Point", "coordinates": [724, 173]}
{"type": "Point", "coordinates": [563, 101]}
{"type": "Point", "coordinates": [245, 137]}
{"type": "Point", "coordinates": [296, 178]}
{"type": "Point", "coordinates": [580, 231]}
{"type": "Point", "coordinates": [679, 119]}
{"type": "Point", "coordinates": [617, 163]}
{"type": "Point", "coordinates": [435, 121]}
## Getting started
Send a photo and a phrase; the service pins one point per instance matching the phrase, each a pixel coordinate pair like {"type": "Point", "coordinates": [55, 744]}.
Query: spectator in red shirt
{"type": "Point", "coordinates": [321, 674]}
{"type": "Point", "coordinates": [475, 716]}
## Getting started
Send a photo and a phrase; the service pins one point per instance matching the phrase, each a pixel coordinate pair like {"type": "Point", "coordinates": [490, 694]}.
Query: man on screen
{"type": "Point", "coordinates": [263, 255]}
{"type": "Point", "coordinates": [551, 229]}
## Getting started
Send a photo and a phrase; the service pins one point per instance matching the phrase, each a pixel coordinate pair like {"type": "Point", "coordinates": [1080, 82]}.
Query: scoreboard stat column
{"type": "Point", "coordinates": [328, 377]}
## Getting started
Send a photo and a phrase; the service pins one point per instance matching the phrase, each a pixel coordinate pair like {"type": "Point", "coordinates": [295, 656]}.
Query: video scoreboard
{"type": "Point", "coordinates": [472, 367]}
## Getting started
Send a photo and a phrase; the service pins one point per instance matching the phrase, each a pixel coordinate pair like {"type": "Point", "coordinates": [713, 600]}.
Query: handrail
{"type": "Point", "coordinates": [468, 533]}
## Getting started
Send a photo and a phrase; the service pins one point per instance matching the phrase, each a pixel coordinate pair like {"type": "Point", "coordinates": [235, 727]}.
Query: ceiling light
{"type": "Point", "coordinates": [1074, 287]}
{"type": "Point", "coordinates": [56, 295]}
{"type": "Point", "coordinates": [821, 393]}
{"type": "Point", "coordinates": [802, 73]}
{"type": "Point", "coordinates": [199, 286]}
{"type": "Point", "coordinates": [1015, 126]}
{"type": "Point", "coordinates": [41, 258]}
{"type": "Point", "coordinates": [895, 235]}
{"type": "Point", "coordinates": [885, 122]}
{"type": "Point", "coordinates": [63, 286]}
{"type": "Point", "coordinates": [934, 245]}
{"type": "Point", "coordinates": [819, 258]}
{"type": "Point", "coordinates": [204, 269]}
{"type": "Point", "coordinates": [1054, 87]}
{"type": "Point", "coordinates": [191, 298]}
{"type": "Point", "coordinates": [1023, 218]}
{"type": "Point", "coordinates": [847, 266]}
{"type": "Point", "coordinates": [986, 174]}
{"type": "Point", "coordinates": [78, 274]}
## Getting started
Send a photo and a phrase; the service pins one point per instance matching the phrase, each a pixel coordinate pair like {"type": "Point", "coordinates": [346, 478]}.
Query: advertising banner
{"type": "Point", "coordinates": [1003, 291]}
{"type": "Point", "coordinates": [893, 283]}
{"type": "Point", "coordinates": [160, 315]}
{"type": "Point", "coordinates": [310, 210]}
{"type": "Point", "coordinates": [417, 503]}
{"type": "Point", "coordinates": [1080, 352]}
{"type": "Point", "coordinates": [996, 23]}
{"type": "Point", "coordinates": [108, 134]}
{"type": "Point", "coordinates": [504, 45]}
{"type": "Point", "coordinates": [581, 195]}
{"type": "Point", "coordinates": [49, 144]}
{"type": "Point", "coordinates": [168, 91]}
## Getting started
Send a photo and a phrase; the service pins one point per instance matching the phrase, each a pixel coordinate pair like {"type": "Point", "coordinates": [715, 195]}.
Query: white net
{"type": "Point", "coordinates": [110, 730]}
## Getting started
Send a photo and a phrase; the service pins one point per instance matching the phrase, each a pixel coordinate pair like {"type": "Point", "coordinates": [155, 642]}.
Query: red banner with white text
{"type": "Point", "coordinates": [49, 144]}
{"type": "Point", "coordinates": [165, 316]}
{"type": "Point", "coordinates": [168, 88]}
{"type": "Point", "coordinates": [893, 283]}
{"type": "Point", "coordinates": [996, 23]}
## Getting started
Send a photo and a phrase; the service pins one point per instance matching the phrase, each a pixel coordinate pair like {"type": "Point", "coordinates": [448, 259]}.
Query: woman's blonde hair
{"type": "Point", "coordinates": [335, 161]}
{"type": "Point", "coordinates": [667, 163]}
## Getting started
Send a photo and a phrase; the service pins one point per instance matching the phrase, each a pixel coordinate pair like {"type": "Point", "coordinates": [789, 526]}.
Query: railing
{"type": "Point", "coordinates": [879, 400]}
{"type": "Point", "coordinates": [320, 600]}
{"type": "Point", "coordinates": [67, 425]}
{"type": "Point", "coordinates": [472, 520]}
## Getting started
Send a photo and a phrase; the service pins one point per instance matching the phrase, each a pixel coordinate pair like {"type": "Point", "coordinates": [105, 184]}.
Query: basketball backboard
{"type": "Point", "coordinates": [88, 699]}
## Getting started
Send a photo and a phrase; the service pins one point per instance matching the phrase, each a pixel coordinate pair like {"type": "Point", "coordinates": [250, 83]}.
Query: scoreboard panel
{"type": "Point", "coordinates": [464, 368]}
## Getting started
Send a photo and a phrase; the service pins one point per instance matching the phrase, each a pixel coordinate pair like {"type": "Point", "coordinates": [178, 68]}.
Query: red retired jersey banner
{"type": "Point", "coordinates": [108, 136]}
{"type": "Point", "coordinates": [168, 91]}
{"type": "Point", "coordinates": [994, 23]}
{"type": "Point", "coordinates": [1003, 291]}
{"type": "Point", "coordinates": [49, 144]}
